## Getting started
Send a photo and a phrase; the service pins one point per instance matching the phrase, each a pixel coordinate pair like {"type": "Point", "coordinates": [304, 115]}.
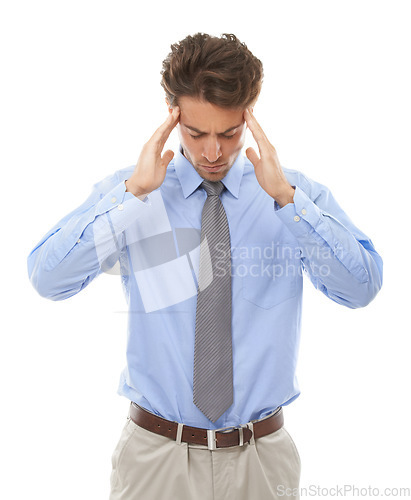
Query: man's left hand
{"type": "Point", "coordinates": [267, 168]}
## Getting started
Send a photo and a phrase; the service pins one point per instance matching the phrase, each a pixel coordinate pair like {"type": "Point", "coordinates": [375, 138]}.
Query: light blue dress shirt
{"type": "Point", "coordinates": [154, 246]}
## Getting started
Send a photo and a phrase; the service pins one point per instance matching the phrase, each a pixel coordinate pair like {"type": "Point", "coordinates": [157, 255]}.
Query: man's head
{"type": "Point", "coordinates": [213, 80]}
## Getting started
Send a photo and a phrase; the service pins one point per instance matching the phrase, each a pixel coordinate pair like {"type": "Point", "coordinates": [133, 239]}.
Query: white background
{"type": "Point", "coordinates": [80, 95]}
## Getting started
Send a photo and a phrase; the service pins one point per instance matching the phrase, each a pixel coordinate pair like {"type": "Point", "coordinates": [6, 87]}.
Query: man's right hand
{"type": "Point", "coordinates": [151, 166]}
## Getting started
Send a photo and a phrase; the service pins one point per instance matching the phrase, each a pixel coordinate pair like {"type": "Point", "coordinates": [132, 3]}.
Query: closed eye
{"type": "Point", "coordinates": [222, 135]}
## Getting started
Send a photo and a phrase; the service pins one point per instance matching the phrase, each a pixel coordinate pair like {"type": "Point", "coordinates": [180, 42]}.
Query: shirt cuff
{"type": "Point", "coordinates": [118, 198]}
{"type": "Point", "coordinates": [301, 216]}
{"type": "Point", "coordinates": [121, 208]}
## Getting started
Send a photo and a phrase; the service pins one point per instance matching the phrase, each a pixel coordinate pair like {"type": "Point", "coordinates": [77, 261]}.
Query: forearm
{"type": "Point", "coordinates": [339, 259]}
{"type": "Point", "coordinates": [85, 243]}
{"type": "Point", "coordinates": [57, 276]}
{"type": "Point", "coordinates": [347, 271]}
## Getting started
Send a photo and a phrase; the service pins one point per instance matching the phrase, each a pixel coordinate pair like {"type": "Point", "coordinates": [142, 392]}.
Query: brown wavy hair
{"type": "Point", "coordinates": [221, 71]}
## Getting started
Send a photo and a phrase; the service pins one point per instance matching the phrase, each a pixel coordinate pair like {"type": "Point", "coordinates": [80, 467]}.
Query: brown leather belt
{"type": "Point", "coordinates": [220, 438]}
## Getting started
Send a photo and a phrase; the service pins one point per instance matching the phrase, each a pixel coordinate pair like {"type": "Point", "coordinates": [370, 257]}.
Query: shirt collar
{"type": "Point", "coordinates": [190, 179]}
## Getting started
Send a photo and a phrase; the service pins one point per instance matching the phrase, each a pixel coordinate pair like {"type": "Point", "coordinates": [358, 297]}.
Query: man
{"type": "Point", "coordinates": [210, 246]}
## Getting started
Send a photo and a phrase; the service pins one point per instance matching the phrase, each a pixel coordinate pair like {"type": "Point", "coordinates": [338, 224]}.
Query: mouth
{"type": "Point", "coordinates": [214, 168]}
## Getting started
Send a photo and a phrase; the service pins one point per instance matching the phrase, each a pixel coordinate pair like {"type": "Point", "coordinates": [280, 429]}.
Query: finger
{"type": "Point", "coordinates": [160, 136]}
{"type": "Point", "coordinates": [256, 130]}
{"type": "Point", "coordinates": [166, 158]}
{"type": "Point", "coordinates": [253, 123]}
{"type": "Point", "coordinates": [165, 129]}
{"type": "Point", "coordinates": [252, 156]}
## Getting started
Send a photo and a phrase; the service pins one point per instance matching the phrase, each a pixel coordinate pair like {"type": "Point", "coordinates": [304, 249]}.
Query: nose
{"type": "Point", "coordinates": [212, 150]}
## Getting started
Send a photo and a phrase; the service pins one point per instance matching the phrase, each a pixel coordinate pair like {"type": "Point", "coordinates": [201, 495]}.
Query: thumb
{"type": "Point", "coordinates": [252, 156]}
{"type": "Point", "coordinates": [166, 158]}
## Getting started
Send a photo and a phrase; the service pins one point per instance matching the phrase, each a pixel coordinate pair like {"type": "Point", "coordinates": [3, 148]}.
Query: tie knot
{"type": "Point", "coordinates": [212, 188]}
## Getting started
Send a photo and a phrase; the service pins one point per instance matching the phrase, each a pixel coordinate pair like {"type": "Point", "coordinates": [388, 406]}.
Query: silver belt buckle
{"type": "Point", "coordinates": [212, 440]}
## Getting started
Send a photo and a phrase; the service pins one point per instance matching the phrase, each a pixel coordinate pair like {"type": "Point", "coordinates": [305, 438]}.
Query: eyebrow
{"type": "Point", "coordinates": [201, 132]}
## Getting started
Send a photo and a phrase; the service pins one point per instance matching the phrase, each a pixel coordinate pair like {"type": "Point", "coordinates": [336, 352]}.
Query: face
{"type": "Point", "coordinates": [211, 137]}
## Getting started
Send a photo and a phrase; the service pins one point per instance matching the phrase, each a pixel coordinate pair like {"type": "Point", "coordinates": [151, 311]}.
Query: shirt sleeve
{"type": "Point", "coordinates": [339, 259]}
{"type": "Point", "coordinates": [86, 242]}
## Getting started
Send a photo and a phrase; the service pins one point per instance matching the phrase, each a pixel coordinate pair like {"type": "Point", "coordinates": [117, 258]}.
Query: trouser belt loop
{"type": "Point", "coordinates": [241, 436]}
{"type": "Point", "coordinates": [179, 433]}
{"type": "Point", "coordinates": [250, 425]}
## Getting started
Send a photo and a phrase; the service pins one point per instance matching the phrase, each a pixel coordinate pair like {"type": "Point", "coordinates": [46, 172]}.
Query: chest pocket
{"type": "Point", "coordinates": [270, 277]}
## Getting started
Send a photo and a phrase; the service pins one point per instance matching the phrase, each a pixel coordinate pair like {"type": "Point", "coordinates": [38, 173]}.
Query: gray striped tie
{"type": "Point", "coordinates": [213, 359]}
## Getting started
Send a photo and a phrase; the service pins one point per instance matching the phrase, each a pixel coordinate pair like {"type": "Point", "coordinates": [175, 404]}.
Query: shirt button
{"type": "Point", "coordinates": [113, 199]}
{"type": "Point", "coordinates": [304, 211]}
{"type": "Point", "coordinates": [120, 207]}
{"type": "Point", "coordinates": [78, 241]}
{"type": "Point", "coordinates": [296, 218]}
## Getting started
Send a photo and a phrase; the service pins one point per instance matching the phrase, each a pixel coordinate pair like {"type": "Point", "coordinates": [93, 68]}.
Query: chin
{"type": "Point", "coordinates": [212, 177]}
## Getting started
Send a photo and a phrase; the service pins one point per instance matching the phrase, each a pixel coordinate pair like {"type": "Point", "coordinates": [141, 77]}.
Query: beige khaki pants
{"type": "Point", "coordinates": [147, 466]}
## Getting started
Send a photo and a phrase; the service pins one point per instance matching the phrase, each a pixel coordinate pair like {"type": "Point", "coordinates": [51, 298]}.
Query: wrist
{"type": "Point", "coordinates": [286, 196]}
{"type": "Point", "coordinates": [135, 190]}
